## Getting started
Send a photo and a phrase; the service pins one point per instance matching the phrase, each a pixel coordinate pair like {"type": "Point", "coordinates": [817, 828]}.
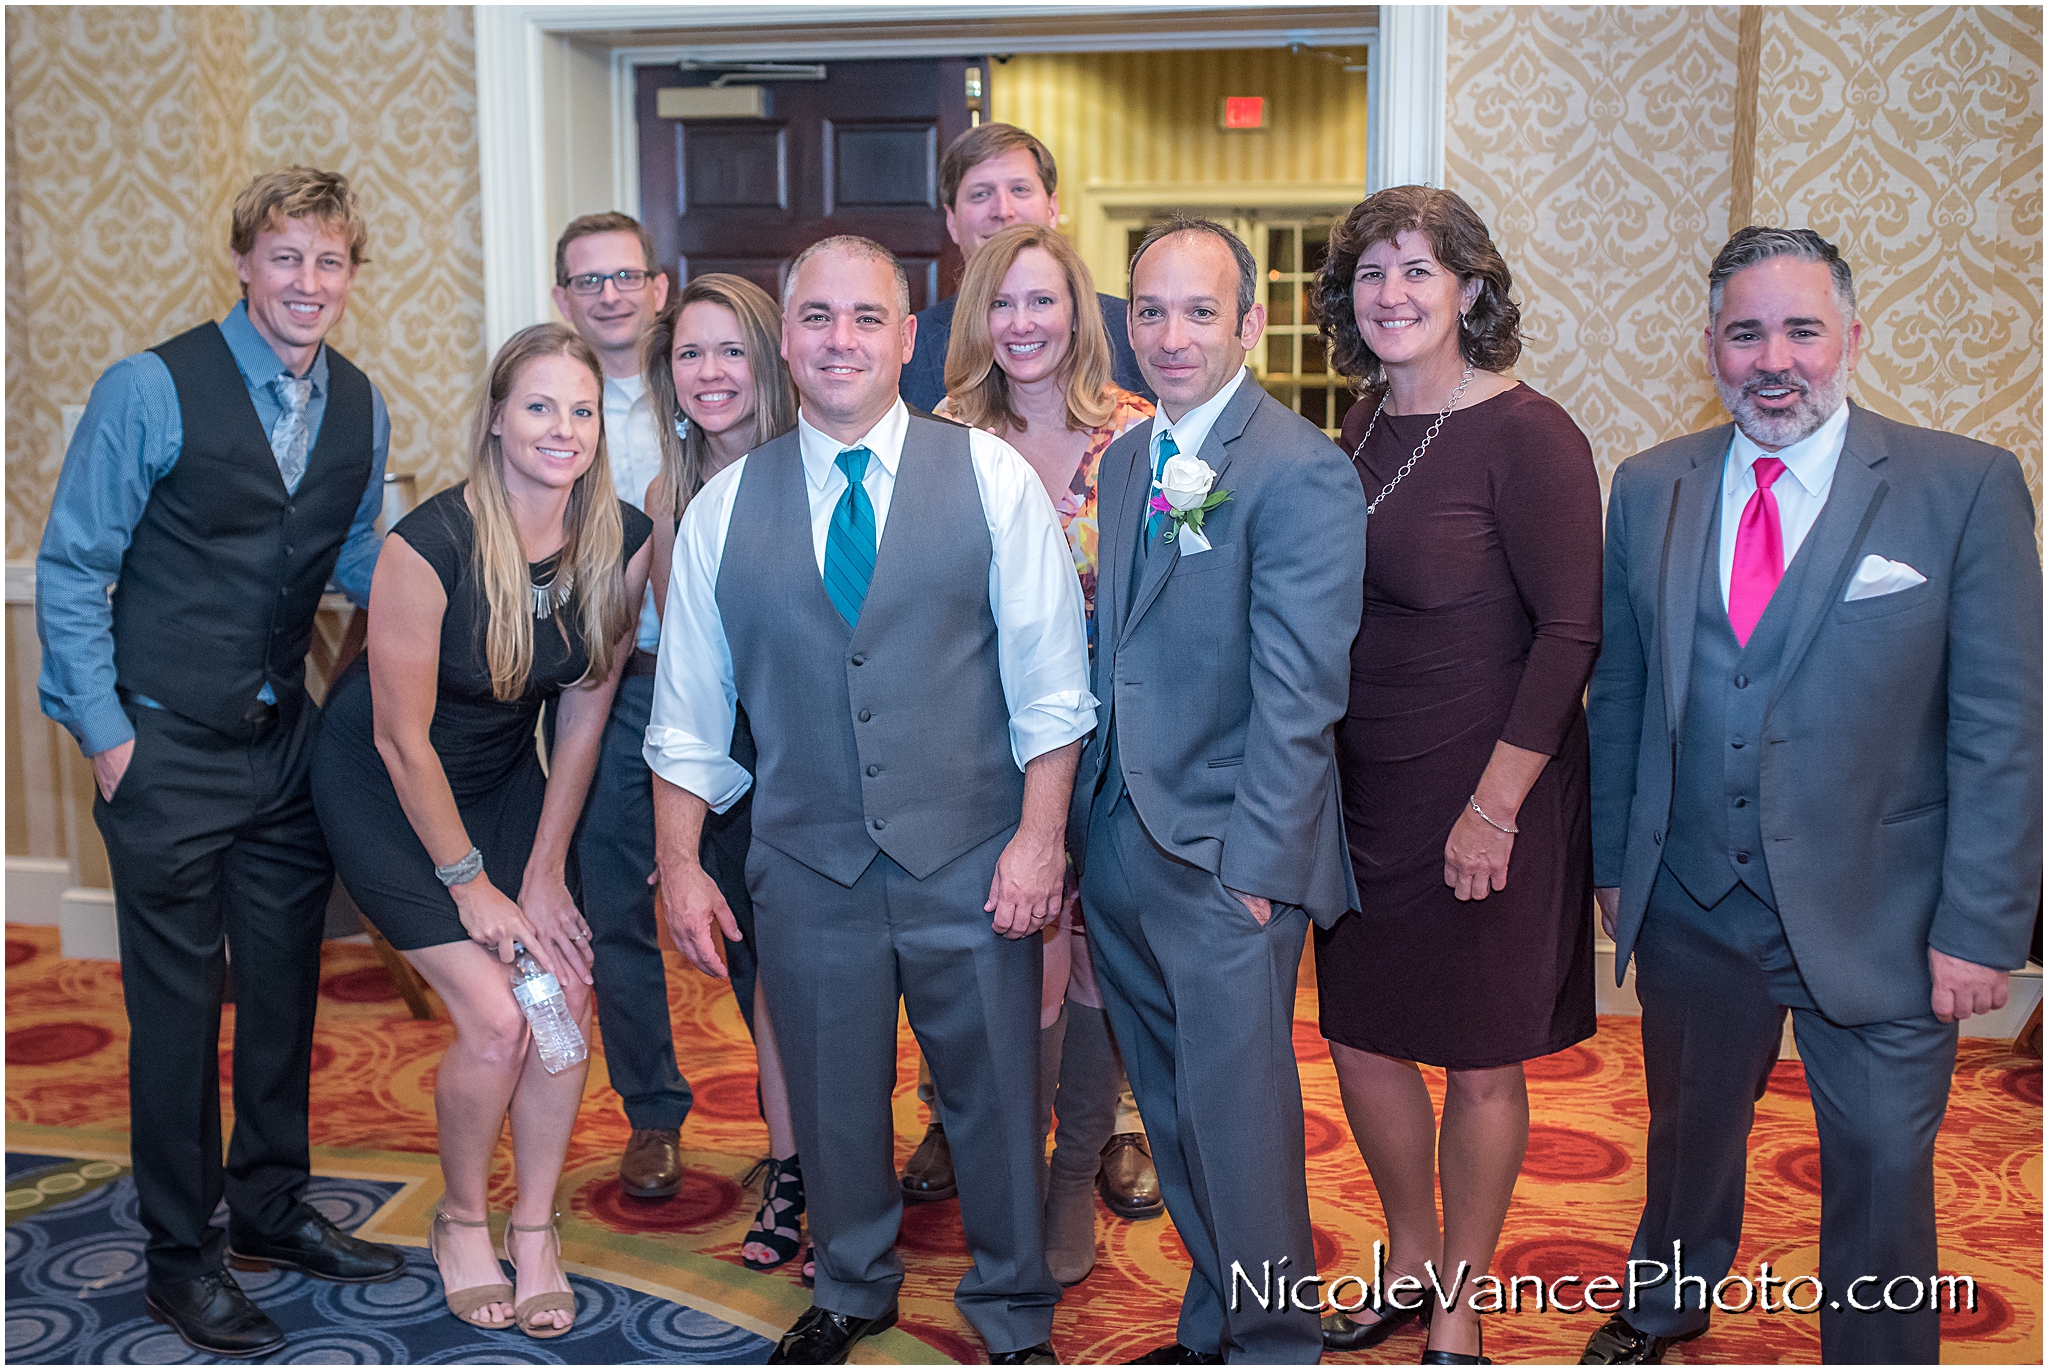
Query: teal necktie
{"type": "Point", "coordinates": [1168, 450]}
{"type": "Point", "coordinates": [850, 545]}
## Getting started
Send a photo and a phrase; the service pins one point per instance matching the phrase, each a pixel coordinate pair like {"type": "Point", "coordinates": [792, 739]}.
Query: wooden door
{"type": "Point", "coordinates": [857, 152]}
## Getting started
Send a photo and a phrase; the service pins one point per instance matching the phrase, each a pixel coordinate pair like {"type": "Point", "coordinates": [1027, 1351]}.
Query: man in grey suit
{"type": "Point", "coordinates": [1206, 806]}
{"type": "Point", "coordinates": [891, 600]}
{"type": "Point", "coordinates": [1816, 788]}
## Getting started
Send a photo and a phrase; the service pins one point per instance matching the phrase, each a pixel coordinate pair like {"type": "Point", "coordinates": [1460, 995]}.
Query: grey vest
{"type": "Point", "coordinates": [894, 734]}
{"type": "Point", "coordinates": [1716, 837]}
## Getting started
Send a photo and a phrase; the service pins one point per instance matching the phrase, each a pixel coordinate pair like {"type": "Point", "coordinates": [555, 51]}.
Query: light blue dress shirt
{"type": "Point", "coordinates": [127, 441]}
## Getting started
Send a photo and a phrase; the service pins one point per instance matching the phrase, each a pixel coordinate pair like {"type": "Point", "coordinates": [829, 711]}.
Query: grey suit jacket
{"type": "Point", "coordinates": [1901, 773]}
{"type": "Point", "coordinates": [1224, 673]}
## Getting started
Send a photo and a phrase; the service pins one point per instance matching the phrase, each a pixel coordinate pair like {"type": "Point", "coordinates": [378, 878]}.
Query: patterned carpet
{"type": "Point", "coordinates": [373, 1134]}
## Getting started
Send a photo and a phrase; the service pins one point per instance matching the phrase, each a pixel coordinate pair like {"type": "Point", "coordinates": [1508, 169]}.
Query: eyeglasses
{"type": "Point", "coordinates": [628, 281]}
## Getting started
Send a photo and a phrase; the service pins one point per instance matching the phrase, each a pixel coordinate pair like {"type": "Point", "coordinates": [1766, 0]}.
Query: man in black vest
{"type": "Point", "coordinates": [891, 601]}
{"type": "Point", "coordinates": [213, 486]}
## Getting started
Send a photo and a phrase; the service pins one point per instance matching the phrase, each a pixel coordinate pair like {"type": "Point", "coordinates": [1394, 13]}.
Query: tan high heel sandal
{"type": "Point", "coordinates": [463, 1302]}
{"type": "Point", "coordinates": [554, 1300]}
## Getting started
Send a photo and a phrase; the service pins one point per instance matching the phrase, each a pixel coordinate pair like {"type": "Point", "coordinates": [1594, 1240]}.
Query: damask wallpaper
{"type": "Point", "coordinates": [1598, 143]}
{"type": "Point", "coordinates": [1912, 139]}
{"type": "Point", "coordinates": [129, 132]}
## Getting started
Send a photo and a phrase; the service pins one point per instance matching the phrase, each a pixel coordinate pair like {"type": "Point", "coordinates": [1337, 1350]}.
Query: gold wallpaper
{"type": "Point", "coordinates": [1598, 143]}
{"type": "Point", "coordinates": [1911, 138]}
{"type": "Point", "coordinates": [1135, 117]}
{"type": "Point", "coordinates": [129, 132]}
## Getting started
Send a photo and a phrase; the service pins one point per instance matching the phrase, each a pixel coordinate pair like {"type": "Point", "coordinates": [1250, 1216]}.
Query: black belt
{"type": "Point", "coordinates": [641, 663]}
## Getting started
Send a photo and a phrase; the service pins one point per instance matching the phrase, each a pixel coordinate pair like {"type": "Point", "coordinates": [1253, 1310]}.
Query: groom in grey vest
{"type": "Point", "coordinates": [1816, 735]}
{"type": "Point", "coordinates": [891, 599]}
{"type": "Point", "coordinates": [1207, 805]}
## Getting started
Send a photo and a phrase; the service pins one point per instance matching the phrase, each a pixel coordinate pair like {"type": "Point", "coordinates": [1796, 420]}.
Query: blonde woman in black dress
{"type": "Point", "coordinates": [1463, 752]}
{"type": "Point", "coordinates": [520, 586]}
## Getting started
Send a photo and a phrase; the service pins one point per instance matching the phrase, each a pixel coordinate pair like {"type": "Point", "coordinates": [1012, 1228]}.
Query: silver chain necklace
{"type": "Point", "coordinates": [1427, 438]}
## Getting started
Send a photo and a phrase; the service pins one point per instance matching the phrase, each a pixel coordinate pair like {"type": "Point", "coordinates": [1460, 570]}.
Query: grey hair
{"type": "Point", "coordinates": [856, 246]}
{"type": "Point", "coordinates": [1753, 245]}
{"type": "Point", "coordinates": [1247, 269]}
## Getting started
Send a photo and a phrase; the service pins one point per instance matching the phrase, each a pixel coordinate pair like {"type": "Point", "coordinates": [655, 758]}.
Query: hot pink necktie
{"type": "Point", "coordinates": [1759, 553]}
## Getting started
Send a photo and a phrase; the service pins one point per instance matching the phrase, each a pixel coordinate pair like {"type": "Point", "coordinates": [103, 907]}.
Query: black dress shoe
{"type": "Point", "coordinates": [1617, 1343]}
{"type": "Point", "coordinates": [1041, 1354]}
{"type": "Point", "coordinates": [212, 1314]}
{"type": "Point", "coordinates": [928, 1175]}
{"type": "Point", "coordinates": [1340, 1333]}
{"type": "Point", "coordinates": [314, 1246]}
{"type": "Point", "coordinates": [820, 1337]}
{"type": "Point", "coordinates": [1175, 1354]}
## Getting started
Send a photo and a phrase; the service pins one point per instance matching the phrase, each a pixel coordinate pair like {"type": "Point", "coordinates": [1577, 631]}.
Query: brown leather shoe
{"type": "Point", "coordinates": [1129, 1184]}
{"type": "Point", "coordinates": [652, 1167]}
{"type": "Point", "coordinates": [928, 1176]}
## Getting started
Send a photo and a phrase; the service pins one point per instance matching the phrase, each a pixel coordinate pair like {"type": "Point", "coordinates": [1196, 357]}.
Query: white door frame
{"type": "Point", "coordinates": [556, 135]}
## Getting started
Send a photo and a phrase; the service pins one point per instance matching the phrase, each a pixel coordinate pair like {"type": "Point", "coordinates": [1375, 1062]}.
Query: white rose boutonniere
{"type": "Point", "coordinates": [1186, 495]}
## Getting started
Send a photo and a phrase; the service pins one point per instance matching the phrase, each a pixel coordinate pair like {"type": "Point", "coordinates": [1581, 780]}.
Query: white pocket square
{"type": "Point", "coordinates": [1191, 542]}
{"type": "Point", "coordinates": [1876, 576]}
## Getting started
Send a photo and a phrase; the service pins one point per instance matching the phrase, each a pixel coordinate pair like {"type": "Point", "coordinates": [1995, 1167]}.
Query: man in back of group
{"type": "Point", "coordinates": [214, 484]}
{"type": "Point", "coordinates": [992, 177]}
{"type": "Point", "coordinates": [609, 288]}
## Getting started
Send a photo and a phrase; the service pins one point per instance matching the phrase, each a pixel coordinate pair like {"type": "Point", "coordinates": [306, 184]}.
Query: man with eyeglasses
{"type": "Point", "coordinates": [609, 289]}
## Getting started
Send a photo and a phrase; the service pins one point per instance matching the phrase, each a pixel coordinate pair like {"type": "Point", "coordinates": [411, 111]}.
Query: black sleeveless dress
{"type": "Point", "coordinates": [486, 745]}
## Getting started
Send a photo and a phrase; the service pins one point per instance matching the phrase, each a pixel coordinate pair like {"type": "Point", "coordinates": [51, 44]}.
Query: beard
{"type": "Point", "coordinates": [1780, 428]}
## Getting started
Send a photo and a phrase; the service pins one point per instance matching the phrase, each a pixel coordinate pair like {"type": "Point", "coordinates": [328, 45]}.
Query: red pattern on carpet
{"type": "Point", "coordinates": [1574, 1212]}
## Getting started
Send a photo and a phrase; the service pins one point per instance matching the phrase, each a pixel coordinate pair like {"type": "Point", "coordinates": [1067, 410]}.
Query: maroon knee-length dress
{"type": "Point", "coordinates": [1482, 620]}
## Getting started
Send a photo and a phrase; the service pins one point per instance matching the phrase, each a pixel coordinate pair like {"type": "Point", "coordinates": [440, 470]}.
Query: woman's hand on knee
{"type": "Point", "coordinates": [493, 921]}
{"type": "Point", "coordinates": [558, 924]}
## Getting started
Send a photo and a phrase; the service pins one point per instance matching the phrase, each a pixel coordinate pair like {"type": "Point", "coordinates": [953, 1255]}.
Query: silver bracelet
{"type": "Point", "coordinates": [1488, 821]}
{"type": "Point", "coordinates": [463, 871]}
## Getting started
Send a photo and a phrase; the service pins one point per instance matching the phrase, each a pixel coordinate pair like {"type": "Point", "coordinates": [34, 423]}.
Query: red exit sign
{"type": "Point", "coordinates": [1244, 111]}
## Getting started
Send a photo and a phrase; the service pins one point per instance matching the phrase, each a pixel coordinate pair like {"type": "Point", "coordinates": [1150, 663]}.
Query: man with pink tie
{"type": "Point", "coordinates": [1816, 788]}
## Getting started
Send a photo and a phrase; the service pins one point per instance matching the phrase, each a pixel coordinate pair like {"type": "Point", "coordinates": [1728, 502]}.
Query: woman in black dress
{"type": "Point", "coordinates": [513, 589]}
{"type": "Point", "coordinates": [1463, 752]}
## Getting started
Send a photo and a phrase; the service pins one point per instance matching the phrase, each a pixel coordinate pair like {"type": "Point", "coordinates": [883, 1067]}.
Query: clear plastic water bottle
{"type": "Point", "coordinates": [547, 1013]}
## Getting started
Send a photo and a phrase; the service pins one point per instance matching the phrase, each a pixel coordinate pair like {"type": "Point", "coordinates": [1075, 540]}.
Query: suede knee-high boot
{"type": "Point", "coordinates": [1086, 1103]}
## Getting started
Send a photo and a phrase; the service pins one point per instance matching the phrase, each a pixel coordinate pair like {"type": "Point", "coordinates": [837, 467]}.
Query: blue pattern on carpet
{"type": "Point", "coordinates": [74, 1295]}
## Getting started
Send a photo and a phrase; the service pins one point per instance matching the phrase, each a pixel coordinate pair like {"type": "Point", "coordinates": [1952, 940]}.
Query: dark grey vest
{"type": "Point", "coordinates": [892, 735]}
{"type": "Point", "coordinates": [1716, 837]}
{"type": "Point", "coordinates": [223, 575]}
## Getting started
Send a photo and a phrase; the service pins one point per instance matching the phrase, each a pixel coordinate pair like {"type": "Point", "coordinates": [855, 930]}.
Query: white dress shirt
{"type": "Point", "coordinates": [1801, 490]}
{"type": "Point", "coordinates": [635, 453]}
{"type": "Point", "coordinates": [1193, 429]}
{"type": "Point", "coordinates": [1041, 635]}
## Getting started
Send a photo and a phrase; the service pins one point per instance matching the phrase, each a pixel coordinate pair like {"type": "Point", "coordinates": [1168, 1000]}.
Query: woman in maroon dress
{"type": "Point", "coordinates": [1463, 753]}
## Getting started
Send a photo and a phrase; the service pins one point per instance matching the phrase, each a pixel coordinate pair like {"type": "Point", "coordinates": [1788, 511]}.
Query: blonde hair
{"type": "Point", "coordinates": [684, 460]}
{"type": "Point", "coordinates": [594, 533]}
{"type": "Point", "coordinates": [298, 192]}
{"type": "Point", "coordinates": [977, 389]}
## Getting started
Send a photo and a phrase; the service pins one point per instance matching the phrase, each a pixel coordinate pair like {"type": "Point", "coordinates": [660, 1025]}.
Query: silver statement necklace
{"type": "Point", "coordinates": [549, 598]}
{"type": "Point", "coordinates": [1427, 438]}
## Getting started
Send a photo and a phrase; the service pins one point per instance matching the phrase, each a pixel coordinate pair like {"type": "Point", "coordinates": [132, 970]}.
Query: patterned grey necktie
{"type": "Point", "coordinates": [288, 436]}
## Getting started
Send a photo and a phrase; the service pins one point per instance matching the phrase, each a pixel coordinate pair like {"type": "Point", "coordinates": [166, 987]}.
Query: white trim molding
{"type": "Point", "coordinates": [508, 105]}
{"type": "Point", "coordinates": [556, 135]}
{"type": "Point", "coordinates": [1410, 81]}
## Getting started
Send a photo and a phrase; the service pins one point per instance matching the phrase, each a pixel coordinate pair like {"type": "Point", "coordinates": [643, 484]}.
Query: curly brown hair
{"type": "Point", "coordinates": [1490, 336]}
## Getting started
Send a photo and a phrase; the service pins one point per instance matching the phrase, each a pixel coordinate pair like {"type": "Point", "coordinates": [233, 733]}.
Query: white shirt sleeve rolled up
{"type": "Point", "coordinates": [1034, 594]}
